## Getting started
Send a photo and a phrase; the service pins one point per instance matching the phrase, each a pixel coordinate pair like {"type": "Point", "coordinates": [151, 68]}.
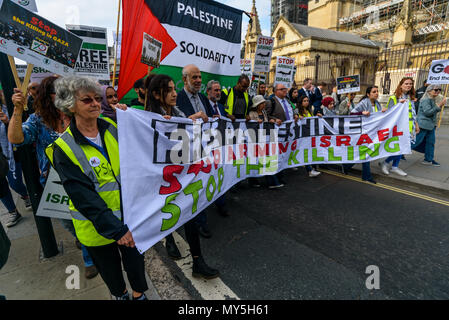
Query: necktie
{"type": "Point", "coordinates": [216, 109]}
{"type": "Point", "coordinates": [197, 105]}
{"type": "Point", "coordinates": [287, 116]}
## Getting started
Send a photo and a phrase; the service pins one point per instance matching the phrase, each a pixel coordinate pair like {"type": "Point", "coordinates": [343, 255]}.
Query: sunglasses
{"type": "Point", "coordinates": [112, 96]}
{"type": "Point", "coordinates": [437, 90]}
{"type": "Point", "coordinates": [90, 100]}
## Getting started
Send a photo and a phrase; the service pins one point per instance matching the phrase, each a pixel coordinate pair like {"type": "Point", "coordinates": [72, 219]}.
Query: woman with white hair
{"type": "Point", "coordinates": [427, 121]}
{"type": "Point", "coordinates": [87, 160]}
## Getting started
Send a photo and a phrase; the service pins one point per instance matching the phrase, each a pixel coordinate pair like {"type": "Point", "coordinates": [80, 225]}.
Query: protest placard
{"type": "Point", "coordinates": [190, 165]}
{"type": "Point", "coordinates": [37, 75]}
{"type": "Point", "coordinates": [263, 54]}
{"type": "Point", "coordinates": [37, 41]}
{"type": "Point", "coordinates": [27, 4]}
{"type": "Point", "coordinates": [439, 72]}
{"type": "Point", "coordinates": [93, 59]}
{"type": "Point", "coordinates": [284, 71]}
{"type": "Point", "coordinates": [245, 67]}
{"type": "Point", "coordinates": [348, 84]}
{"type": "Point", "coordinates": [54, 201]}
{"type": "Point", "coordinates": [151, 51]}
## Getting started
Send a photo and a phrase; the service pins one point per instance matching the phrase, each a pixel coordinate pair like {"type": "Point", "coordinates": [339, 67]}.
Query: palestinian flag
{"type": "Point", "coordinates": [201, 32]}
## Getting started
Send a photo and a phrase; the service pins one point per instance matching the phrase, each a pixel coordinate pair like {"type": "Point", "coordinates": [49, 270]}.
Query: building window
{"type": "Point", "coordinates": [280, 36]}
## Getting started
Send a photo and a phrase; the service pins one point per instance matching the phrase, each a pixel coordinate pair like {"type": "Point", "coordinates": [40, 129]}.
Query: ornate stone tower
{"type": "Point", "coordinates": [404, 26]}
{"type": "Point", "coordinates": [252, 33]}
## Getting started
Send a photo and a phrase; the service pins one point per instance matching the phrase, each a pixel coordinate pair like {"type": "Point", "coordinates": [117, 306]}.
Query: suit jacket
{"type": "Point", "coordinates": [312, 98]}
{"type": "Point", "coordinates": [220, 107]}
{"type": "Point", "coordinates": [184, 104]}
{"type": "Point", "coordinates": [277, 111]}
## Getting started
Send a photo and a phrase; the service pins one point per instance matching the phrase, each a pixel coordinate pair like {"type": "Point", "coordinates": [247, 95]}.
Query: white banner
{"type": "Point", "coordinates": [38, 74]}
{"type": "Point", "coordinates": [263, 54]}
{"type": "Point", "coordinates": [439, 72]}
{"type": "Point", "coordinates": [284, 71]}
{"type": "Point", "coordinates": [168, 176]}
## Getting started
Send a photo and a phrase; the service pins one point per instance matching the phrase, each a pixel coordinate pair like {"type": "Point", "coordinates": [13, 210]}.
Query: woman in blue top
{"type": "Point", "coordinates": [43, 128]}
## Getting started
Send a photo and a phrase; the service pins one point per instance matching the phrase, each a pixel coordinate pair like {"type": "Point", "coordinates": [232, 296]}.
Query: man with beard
{"type": "Point", "coordinates": [190, 100]}
{"type": "Point", "coordinates": [139, 88]}
{"type": "Point", "coordinates": [236, 100]}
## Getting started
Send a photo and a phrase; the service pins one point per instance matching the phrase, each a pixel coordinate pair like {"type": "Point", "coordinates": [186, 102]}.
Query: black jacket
{"type": "Point", "coordinates": [81, 189]}
{"type": "Point", "coordinates": [184, 104]}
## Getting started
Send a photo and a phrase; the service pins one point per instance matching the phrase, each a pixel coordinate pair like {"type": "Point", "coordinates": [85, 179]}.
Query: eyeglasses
{"type": "Point", "coordinates": [90, 100]}
{"type": "Point", "coordinates": [112, 96]}
{"type": "Point", "coordinates": [437, 90]}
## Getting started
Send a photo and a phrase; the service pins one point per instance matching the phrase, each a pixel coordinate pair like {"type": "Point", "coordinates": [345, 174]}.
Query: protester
{"type": "Point", "coordinates": [139, 88]}
{"type": "Point", "coordinates": [95, 202]}
{"type": "Point", "coordinates": [308, 91]}
{"type": "Point", "coordinates": [328, 107]}
{"type": "Point", "coordinates": [293, 96]}
{"type": "Point", "coordinates": [263, 90]}
{"type": "Point", "coordinates": [404, 92]}
{"type": "Point", "coordinates": [305, 111]}
{"type": "Point", "coordinates": [43, 128]}
{"type": "Point", "coordinates": [162, 100]}
{"type": "Point", "coordinates": [336, 96]}
{"type": "Point", "coordinates": [366, 106]}
{"type": "Point", "coordinates": [14, 175]}
{"type": "Point", "coordinates": [109, 103]}
{"type": "Point", "coordinates": [190, 100]}
{"type": "Point", "coordinates": [427, 120]}
{"type": "Point", "coordinates": [420, 94]}
{"type": "Point", "coordinates": [237, 101]}
{"type": "Point", "coordinates": [213, 90]}
{"type": "Point", "coordinates": [346, 105]}
{"type": "Point", "coordinates": [318, 94]}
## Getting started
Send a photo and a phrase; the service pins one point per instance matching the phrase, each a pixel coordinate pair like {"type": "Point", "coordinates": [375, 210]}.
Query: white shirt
{"type": "Point", "coordinates": [289, 107]}
{"type": "Point", "coordinates": [96, 140]}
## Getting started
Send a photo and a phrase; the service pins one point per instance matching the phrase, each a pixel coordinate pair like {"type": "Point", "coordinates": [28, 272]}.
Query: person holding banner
{"type": "Point", "coordinates": [427, 120]}
{"type": "Point", "coordinates": [43, 128]}
{"type": "Point", "coordinates": [87, 161]}
{"type": "Point", "coordinates": [162, 98]}
{"type": "Point", "coordinates": [366, 106]}
{"type": "Point", "coordinates": [346, 105]}
{"type": "Point", "coordinates": [305, 111]}
{"type": "Point", "coordinates": [405, 91]}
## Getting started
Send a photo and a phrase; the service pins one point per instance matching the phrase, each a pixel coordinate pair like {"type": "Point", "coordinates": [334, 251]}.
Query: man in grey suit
{"type": "Point", "coordinates": [281, 110]}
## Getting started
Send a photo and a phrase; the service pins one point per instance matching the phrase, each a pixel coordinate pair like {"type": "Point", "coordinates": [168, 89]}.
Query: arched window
{"type": "Point", "coordinates": [280, 36]}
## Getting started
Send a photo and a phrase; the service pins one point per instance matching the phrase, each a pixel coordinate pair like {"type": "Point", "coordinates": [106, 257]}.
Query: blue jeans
{"type": "Point", "coordinates": [395, 159]}
{"type": "Point", "coordinates": [366, 169]}
{"type": "Point", "coordinates": [425, 143]}
{"type": "Point", "coordinates": [68, 225]}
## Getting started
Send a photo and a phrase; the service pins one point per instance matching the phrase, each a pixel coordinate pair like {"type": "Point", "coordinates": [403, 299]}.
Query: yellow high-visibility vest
{"type": "Point", "coordinates": [229, 105]}
{"type": "Point", "coordinates": [410, 112]}
{"type": "Point", "coordinates": [106, 180]}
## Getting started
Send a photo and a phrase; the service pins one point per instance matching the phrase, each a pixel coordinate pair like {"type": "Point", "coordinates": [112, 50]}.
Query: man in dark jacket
{"type": "Point", "coordinates": [139, 88]}
{"type": "Point", "coordinates": [190, 100]}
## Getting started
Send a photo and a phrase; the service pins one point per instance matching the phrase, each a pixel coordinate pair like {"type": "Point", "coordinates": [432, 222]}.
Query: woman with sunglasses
{"type": "Point", "coordinates": [427, 120]}
{"type": "Point", "coordinates": [109, 103]}
{"type": "Point", "coordinates": [87, 160]}
{"type": "Point", "coordinates": [43, 128]}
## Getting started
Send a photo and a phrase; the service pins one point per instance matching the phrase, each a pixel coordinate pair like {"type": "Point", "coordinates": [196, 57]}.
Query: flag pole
{"type": "Point", "coordinates": [116, 41]}
{"type": "Point", "coordinates": [442, 108]}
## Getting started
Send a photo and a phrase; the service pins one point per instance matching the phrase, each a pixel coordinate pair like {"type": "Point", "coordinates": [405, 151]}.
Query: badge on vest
{"type": "Point", "coordinates": [94, 162]}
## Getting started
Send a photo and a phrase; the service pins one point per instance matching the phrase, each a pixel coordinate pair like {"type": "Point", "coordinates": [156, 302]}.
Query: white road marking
{"type": "Point", "coordinates": [213, 289]}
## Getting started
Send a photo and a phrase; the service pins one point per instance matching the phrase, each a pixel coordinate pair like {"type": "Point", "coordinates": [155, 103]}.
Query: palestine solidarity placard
{"type": "Point", "coordinates": [93, 60]}
{"type": "Point", "coordinates": [31, 38]}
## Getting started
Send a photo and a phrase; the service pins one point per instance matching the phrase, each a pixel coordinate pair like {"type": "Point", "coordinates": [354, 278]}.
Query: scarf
{"type": "Point", "coordinates": [106, 109]}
